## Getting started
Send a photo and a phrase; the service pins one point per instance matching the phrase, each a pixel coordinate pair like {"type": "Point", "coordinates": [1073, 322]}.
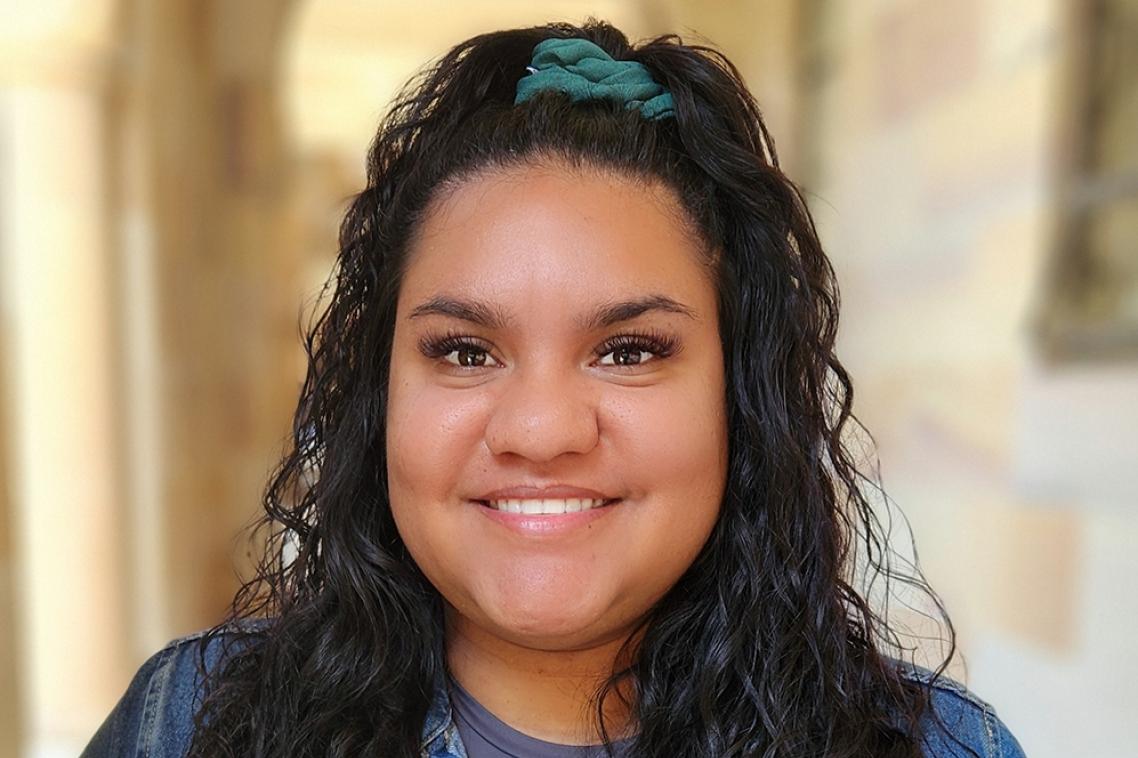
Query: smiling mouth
{"type": "Point", "coordinates": [546, 506]}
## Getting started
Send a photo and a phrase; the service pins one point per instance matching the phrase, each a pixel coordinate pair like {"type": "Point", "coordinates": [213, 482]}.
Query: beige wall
{"type": "Point", "coordinates": [60, 428]}
{"type": "Point", "coordinates": [935, 144]}
{"type": "Point", "coordinates": [11, 711]}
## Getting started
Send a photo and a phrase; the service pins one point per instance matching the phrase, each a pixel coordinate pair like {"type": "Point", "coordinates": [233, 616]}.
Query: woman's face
{"type": "Point", "coordinates": [556, 347]}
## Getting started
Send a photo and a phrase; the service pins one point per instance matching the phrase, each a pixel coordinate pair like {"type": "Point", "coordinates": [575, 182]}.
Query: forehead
{"type": "Point", "coordinates": [547, 233]}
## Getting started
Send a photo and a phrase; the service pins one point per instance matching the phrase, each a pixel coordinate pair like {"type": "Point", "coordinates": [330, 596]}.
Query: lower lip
{"type": "Point", "coordinates": [548, 524]}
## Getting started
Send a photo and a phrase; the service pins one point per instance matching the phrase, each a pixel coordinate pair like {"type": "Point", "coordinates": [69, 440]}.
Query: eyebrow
{"type": "Point", "coordinates": [606, 315]}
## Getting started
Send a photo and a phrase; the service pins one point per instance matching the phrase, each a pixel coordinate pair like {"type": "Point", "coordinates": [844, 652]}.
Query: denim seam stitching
{"type": "Point", "coordinates": [991, 733]}
{"type": "Point", "coordinates": [150, 703]}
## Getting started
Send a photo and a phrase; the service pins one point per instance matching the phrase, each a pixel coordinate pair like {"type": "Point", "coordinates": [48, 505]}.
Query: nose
{"type": "Point", "coordinates": [540, 415]}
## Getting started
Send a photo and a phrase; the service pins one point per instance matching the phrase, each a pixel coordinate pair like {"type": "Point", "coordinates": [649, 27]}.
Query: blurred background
{"type": "Point", "coordinates": [172, 173]}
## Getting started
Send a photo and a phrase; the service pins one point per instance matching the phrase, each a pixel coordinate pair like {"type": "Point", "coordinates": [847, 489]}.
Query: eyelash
{"type": "Point", "coordinates": [437, 346]}
{"type": "Point", "coordinates": [649, 341]}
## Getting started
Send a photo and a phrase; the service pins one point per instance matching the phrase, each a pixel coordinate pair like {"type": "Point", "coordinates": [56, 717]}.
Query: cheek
{"type": "Point", "coordinates": [433, 434]}
{"type": "Point", "coordinates": [671, 447]}
{"type": "Point", "coordinates": [674, 443]}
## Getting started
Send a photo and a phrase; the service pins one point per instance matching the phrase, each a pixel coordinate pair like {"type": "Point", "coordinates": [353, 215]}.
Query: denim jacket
{"type": "Point", "coordinates": [154, 719]}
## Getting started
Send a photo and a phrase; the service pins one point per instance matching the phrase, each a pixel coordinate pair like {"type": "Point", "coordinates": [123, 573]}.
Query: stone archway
{"type": "Point", "coordinates": [207, 238]}
{"type": "Point", "coordinates": [148, 323]}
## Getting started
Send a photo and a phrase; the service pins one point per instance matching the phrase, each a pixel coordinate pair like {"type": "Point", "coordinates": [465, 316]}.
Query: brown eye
{"type": "Point", "coordinates": [623, 356]}
{"type": "Point", "coordinates": [467, 357]}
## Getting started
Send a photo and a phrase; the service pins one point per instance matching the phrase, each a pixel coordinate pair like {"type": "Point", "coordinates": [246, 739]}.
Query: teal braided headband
{"type": "Point", "coordinates": [584, 71]}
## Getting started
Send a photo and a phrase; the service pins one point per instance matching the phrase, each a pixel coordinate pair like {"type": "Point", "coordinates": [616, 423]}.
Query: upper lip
{"type": "Point", "coordinates": [550, 492]}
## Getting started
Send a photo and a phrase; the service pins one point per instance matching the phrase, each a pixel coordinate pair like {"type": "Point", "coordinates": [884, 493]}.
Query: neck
{"type": "Point", "coordinates": [546, 694]}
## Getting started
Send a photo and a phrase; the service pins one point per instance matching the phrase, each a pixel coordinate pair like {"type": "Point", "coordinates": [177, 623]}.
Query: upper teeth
{"type": "Point", "coordinates": [551, 505]}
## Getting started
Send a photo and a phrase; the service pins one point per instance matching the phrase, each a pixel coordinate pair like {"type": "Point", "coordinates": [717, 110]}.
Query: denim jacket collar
{"type": "Point", "coordinates": [155, 717]}
{"type": "Point", "coordinates": [440, 733]}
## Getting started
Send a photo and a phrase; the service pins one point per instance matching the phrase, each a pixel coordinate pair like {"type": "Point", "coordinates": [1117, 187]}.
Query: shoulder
{"type": "Point", "coordinates": [959, 723]}
{"type": "Point", "coordinates": [154, 717]}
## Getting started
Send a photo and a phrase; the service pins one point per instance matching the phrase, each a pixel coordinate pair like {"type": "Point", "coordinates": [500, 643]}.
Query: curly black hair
{"type": "Point", "coordinates": [765, 646]}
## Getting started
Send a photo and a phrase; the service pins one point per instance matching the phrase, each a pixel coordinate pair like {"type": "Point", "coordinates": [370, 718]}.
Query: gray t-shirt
{"type": "Point", "coordinates": [487, 736]}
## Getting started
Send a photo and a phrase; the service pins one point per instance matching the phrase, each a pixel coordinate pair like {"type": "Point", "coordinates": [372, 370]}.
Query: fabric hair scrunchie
{"type": "Point", "coordinates": [584, 71]}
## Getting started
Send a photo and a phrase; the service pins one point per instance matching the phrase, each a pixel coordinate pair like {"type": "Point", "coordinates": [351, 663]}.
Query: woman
{"type": "Point", "coordinates": [569, 474]}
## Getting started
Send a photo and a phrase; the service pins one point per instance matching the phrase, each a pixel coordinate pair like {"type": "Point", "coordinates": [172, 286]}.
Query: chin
{"type": "Point", "coordinates": [548, 626]}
